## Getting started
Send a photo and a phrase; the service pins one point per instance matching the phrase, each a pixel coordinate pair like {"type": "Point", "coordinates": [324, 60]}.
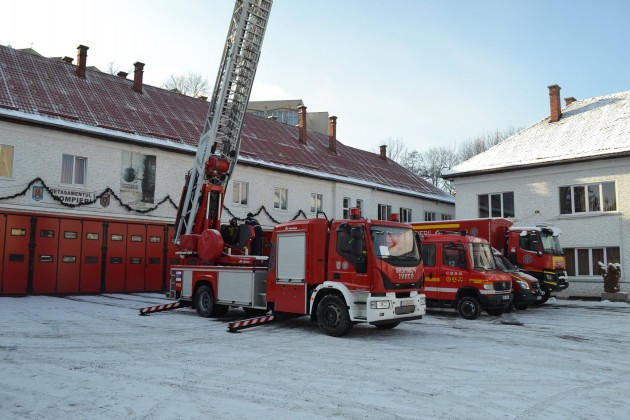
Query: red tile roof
{"type": "Point", "coordinates": [42, 87]}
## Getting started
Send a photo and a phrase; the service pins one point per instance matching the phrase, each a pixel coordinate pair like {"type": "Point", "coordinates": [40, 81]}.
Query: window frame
{"type": "Point", "coordinates": [384, 210]}
{"type": "Point", "coordinates": [405, 215]}
{"type": "Point", "coordinates": [345, 205]}
{"type": "Point", "coordinates": [237, 192]}
{"type": "Point", "coordinates": [75, 170]}
{"type": "Point", "coordinates": [317, 202]}
{"type": "Point", "coordinates": [5, 149]}
{"type": "Point", "coordinates": [280, 198]}
{"type": "Point", "coordinates": [429, 216]}
{"type": "Point", "coordinates": [577, 257]}
{"type": "Point", "coordinates": [579, 195]}
{"type": "Point", "coordinates": [504, 200]}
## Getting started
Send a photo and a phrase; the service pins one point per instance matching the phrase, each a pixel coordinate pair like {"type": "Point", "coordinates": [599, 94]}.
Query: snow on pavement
{"type": "Point", "coordinates": [94, 357]}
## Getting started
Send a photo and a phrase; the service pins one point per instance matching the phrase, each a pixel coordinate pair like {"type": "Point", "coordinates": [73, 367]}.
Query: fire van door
{"type": "Point", "coordinates": [116, 254]}
{"type": "Point", "coordinates": [46, 256]}
{"type": "Point", "coordinates": [134, 270]}
{"type": "Point", "coordinates": [69, 261]}
{"type": "Point", "coordinates": [154, 259]}
{"type": "Point", "coordinates": [3, 226]}
{"type": "Point", "coordinates": [16, 255]}
{"type": "Point", "coordinates": [91, 257]}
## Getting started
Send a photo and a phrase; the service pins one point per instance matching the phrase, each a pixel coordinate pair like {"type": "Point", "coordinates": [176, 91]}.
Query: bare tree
{"type": "Point", "coordinates": [476, 145]}
{"type": "Point", "coordinates": [113, 68]}
{"type": "Point", "coordinates": [191, 84]}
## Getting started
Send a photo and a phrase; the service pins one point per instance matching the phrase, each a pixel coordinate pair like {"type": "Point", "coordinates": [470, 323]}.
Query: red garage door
{"type": "Point", "coordinates": [69, 265]}
{"type": "Point", "coordinates": [91, 254]}
{"type": "Point", "coordinates": [45, 263]}
{"type": "Point", "coordinates": [16, 254]}
{"type": "Point", "coordinates": [154, 258]}
{"type": "Point", "coordinates": [116, 254]}
{"type": "Point", "coordinates": [134, 270]}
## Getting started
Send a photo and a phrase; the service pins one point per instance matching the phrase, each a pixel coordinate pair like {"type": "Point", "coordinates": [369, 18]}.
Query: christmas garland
{"type": "Point", "coordinates": [263, 209]}
{"type": "Point", "coordinates": [87, 203]}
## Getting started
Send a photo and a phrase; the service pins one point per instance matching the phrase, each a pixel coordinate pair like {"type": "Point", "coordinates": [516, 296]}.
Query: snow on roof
{"type": "Point", "coordinates": [591, 128]}
{"type": "Point", "coordinates": [48, 92]}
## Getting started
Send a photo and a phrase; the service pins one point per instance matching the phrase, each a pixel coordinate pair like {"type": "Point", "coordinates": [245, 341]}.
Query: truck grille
{"type": "Point", "coordinates": [502, 285]}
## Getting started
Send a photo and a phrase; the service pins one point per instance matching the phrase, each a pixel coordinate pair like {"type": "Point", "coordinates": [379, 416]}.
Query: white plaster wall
{"type": "Point", "coordinates": [38, 153]}
{"type": "Point", "coordinates": [536, 198]}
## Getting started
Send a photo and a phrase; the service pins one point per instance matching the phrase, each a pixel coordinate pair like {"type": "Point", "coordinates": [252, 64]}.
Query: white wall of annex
{"type": "Point", "coordinates": [536, 200]}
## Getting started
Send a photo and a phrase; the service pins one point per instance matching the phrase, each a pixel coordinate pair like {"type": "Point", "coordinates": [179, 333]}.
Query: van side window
{"type": "Point", "coordinates": [428, 255]}
{"type": "Point", "coordinates": [453, 255]}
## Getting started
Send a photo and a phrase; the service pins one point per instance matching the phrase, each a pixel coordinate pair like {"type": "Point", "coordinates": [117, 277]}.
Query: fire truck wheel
{"type": "Point", "coordinates": [333, 317]}
{"type": "Point", "coordinates": [521, 306]}
{"type": "Point", "coordinates": [387, 326]}
{"type": "Point", "coordinates": [469, 308]}
{"type": "Point", "coordinates": [204, 301]}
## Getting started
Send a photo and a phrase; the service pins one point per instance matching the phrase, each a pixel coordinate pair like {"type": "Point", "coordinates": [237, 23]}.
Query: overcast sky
{"type": "Point", "coordinates": [428, 72]}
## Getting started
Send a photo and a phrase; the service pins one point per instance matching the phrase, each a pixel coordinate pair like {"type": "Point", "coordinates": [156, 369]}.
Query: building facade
{"type": "Point", "coordinates": [570, 170]}
{"type": "Point", "coordinates": [92, 166]}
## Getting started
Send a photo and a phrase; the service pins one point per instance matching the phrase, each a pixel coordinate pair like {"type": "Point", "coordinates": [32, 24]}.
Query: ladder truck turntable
{"type": "Point", "coordinates": [339, 272]}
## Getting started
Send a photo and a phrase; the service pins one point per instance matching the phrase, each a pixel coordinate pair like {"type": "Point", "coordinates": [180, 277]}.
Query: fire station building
{"type": "Point", "coordinates": [92, 166]}
{"type": "Point", "coordinates": [570, 170]}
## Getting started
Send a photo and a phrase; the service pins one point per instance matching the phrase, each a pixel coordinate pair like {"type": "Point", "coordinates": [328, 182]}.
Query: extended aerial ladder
{"type": "Point", "coordinates": [219, 143]}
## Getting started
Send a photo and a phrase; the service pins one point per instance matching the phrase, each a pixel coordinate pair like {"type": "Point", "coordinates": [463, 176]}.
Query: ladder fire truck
{"type": "Point", "coordinates": [337, 272]}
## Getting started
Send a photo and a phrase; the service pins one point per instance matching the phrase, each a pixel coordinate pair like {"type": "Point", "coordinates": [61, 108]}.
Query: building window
{"type": "Point", "coordinates": [6, 161]}
{"type": "Point", "coordinates": [240, 192]}
{"type": "Point", "coordinates": [405, 215]}
{"type": "Point", "coordinates": [496, 205]}
{"type": "Point", "coordinates": [429, 216]}
{"type": "Point", "coordinates": [588, 198]}
{"type": "Point", "coordinates": [73, 170]}
{"type": "Point", "coordinates": [346, 208]}
{"type": "Point", "coordinates": [585, 261]}
{"type": "Point", "coordinates": [384, 211]}
{"type": "Point", "coordinates": [280, 197]}
{"type": "Point", "coordinates": [316, 202]}
{"type": "Point", "coordinates": [447, 217]}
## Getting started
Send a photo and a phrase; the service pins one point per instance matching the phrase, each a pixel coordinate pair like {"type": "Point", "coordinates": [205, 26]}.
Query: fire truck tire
{"type": "Point", "coordinates": [387, 326]}
{"type": "Point", "coordinates": [333, 317]}
{"type": "Point", "coordinates": [546, 296]}
{"type": "Point", "coordinates": [469, 308]}
{"type": "Point", "coordinates": [204, 301]}
{"type": "Point", "coordinates": [521, 306]}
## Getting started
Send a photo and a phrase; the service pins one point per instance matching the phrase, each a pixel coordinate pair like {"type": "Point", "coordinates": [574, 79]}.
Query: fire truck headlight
{"type": "Point", "coordinates": [423, 300]}
{"type": "Point", "coordinates": [488, 286]}
{"type": "Point", "coordinates": [380, 304]}
{"type": "Point", "coordinates": [523, 284]}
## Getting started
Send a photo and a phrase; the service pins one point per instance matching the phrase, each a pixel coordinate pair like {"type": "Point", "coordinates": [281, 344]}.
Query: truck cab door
{"type": "Point", "coordinates": [349, 263]}
{"type": "Point", "coordinates": [453, 270]}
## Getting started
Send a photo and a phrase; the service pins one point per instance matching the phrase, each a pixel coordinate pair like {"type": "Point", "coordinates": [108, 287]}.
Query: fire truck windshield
{"type": "Point", "coordinates": [481, 255]}
{"type": "Point", "coordinates": [395, 244]}
{"type": "Point", "coordinates": [550, 243]}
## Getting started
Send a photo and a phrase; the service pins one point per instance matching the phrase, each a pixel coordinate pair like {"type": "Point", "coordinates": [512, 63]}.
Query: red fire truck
{"type": "Point", "coordinates": [460, 272]}
{"type": "Point", "coordinates": [339, 273]}
{"type": "Point", "coordinates": [535, 249]}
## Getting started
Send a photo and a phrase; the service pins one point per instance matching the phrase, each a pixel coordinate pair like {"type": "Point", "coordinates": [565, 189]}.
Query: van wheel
{"type": "Point", "coordinates": [469, 308]}
{"type": "Point", "coordinates": [521, 306]}
{"type": "Point", "coordinates": [333, 317]}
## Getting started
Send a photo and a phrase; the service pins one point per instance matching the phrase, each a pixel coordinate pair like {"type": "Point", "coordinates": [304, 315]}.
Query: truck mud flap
{"type": "Point", "coordinates": [161, 308]}
{"type": "Point", "coordinates": [235, 326]}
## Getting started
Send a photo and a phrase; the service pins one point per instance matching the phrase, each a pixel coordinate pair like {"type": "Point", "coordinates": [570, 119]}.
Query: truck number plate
{"type": "Point", "coordinates": [538, 297]}
{"type": "Point", "coordinates": [408, 302]}
{"type": "Point", "coordinates": [506, 297]}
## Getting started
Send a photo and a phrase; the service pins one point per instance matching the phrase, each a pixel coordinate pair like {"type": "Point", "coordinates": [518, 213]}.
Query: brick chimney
{"type": "Point", "coordinates": [137, 76]}
{"type": "Point", "coordinates": [554, 102]}
{"type": "Point", "coordinates": [122, 74]}
{"type": "Point", "coordinates": [302, 124]}
{"type": "Point", "coordinates": [332, 134]}
{"type": "Point", "coordinates": [81, 60]}
{"type": "Point", "coordinates": [568, 101]}
{"type": "Point", "coordinates": [384, 152]}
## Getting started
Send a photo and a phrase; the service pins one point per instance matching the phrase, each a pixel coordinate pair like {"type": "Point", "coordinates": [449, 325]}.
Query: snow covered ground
{"type": "Point", "coordinates": [94, 357]}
